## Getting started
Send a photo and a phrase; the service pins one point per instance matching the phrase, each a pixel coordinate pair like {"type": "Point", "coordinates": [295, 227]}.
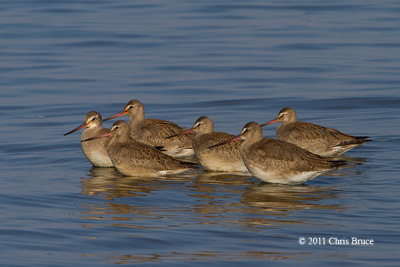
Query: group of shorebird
{"type": "Point", "coordinates": [151, 147]}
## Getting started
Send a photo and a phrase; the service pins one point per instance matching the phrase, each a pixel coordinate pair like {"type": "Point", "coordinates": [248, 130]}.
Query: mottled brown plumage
{"type": "Point", "coordinates": [222, 158]}
{"type": "Point", "coordinates": [277, 161]}
{"type": "Point", "coordinates": [133, 158]}
{"type": "Point", "coordinates": [96, 150]}
{"type": "Point", "coordinates": [154, 132]}
{"type": "Point", "coordinates": [312, 137]}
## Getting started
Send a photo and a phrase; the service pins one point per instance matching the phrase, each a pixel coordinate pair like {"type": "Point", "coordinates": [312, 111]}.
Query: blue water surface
{"type": "Point", "coordinates": [336, 63]}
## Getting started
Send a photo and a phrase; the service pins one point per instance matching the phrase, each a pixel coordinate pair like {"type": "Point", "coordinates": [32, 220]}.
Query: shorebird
{"type": "Point", "coordinates": [312, 137]}
{"type": "Point", "coordinates": [154, 132]}
{"type": "Point", "coordinates": [276, 161]}
{"type": "Point", "coordinates": [223, 158]}
{"type": "Point", "coordinates": [95, 151]}
{"type": "Point", "coordinates": [133, 158]}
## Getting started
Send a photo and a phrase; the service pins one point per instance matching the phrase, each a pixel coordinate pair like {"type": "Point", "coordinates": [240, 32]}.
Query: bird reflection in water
{"type": "Point", "coordinates": [109, 185]}
{"type": "Point", "coordinates": [275, 198]}
{"type": "Point", "coordinates": [201, 256]}
{"type": "Point", "coordinates": [230, 201]}
{"type": "Point", "coordinates": [246, 196]}
{"type": "Point", "coordinates": [216, 196]}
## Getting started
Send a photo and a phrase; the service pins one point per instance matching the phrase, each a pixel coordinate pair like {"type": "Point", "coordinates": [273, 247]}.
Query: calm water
{"type": "Point", "coordinates": [337, 63]}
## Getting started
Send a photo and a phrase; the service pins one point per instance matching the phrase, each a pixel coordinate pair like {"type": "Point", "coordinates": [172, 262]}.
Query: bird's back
{"type": "Point", "coordinates": [314, 138]}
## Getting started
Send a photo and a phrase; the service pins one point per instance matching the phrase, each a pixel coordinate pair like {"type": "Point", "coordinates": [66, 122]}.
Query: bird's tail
{"type": "Point", "coordinates": [358, 140]}
{"type": "Point", "coordinates": [337, 163]}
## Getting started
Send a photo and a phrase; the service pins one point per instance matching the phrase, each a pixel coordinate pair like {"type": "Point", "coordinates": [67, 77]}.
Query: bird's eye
{"type": "Point", "coordinates": [94, 118]}
{"type": "Point", "coordinates": [244, 131]}
{"type": "Point", "coordinates": [131, 106]}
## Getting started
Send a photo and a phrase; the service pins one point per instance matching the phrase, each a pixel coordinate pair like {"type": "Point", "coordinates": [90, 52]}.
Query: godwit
{"type": "Point", "coordinates": [133, 158]}
{"type": "Point", "coordinates": [95, 151]}
{"type": "Point", "coordinates": [223, 158]}
{"type": "Point", "coordinates": [312, 137]}
{"type": "Point", "coordinates": [276, 161]}
{"type": "Point", "coordinates": [154, 132]}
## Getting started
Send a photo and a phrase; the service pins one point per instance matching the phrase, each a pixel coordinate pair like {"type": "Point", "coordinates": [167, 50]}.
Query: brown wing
{"type": "Point", "coordinates": [154, 132]}
{"type": "Point", "coordinates": [311, 135]}
{"type": "Point", "coordinates": [282, 155]}
{"type": "Point", "coordinates": [142, 155]}
{"type": "Point", "coordinates": [227, 150]}
{"type": "Point", "coordinates": [157, 121]}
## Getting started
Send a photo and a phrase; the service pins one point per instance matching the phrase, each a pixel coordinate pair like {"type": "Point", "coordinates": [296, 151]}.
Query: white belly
{"type": "Point", "coordinates": [281, 176]}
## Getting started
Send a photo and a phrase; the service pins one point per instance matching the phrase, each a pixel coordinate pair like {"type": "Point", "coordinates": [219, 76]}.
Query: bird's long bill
{"type": "Point", "coordinates": [270, 122]}
{"type": "Point", "coordinates": [236, 138]}
{"type": "Point", "coordinates": [181, 133]}
{"type": "Point", "coordinates": [96, 137]}
{"type": "Point", "coordinates": [122, 113]}
{"type": "Point", "coordinates": [83, 125]}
